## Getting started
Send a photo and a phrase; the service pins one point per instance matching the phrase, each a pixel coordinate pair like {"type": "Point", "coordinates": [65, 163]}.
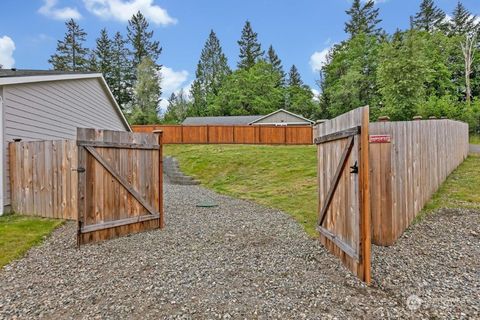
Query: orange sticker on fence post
{"type": "Point", "coordinates": [380, 138]}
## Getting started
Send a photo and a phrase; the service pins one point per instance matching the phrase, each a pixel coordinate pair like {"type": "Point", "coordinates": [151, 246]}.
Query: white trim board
{"type": "Point", "coordinates": [282, 110]}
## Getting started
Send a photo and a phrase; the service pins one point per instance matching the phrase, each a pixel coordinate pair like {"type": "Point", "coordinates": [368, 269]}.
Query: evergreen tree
{"type": "Point", "coordinates": [275, 61]}
{"type": "Point", "coordinates": [141, 40]}
{"type": "Point", "coordinates": [147, 93]}
{"type": "Point", "coordinates": [462, 21]}
{"type": "Point", "coordinates": [70, 54]}
{"type": "Point", "coordinates": [212, 69]}
{"type": "Point", "coordinates": [178, 106]}
{"type": "Point", "coordinates": [103, 55]}
{"type": "Point", "coordinates": [250, 49]}
{"type": "Point", "coordinates": [363, 19]}
{"type": "Point", "coordinates": [294, 78]}
{"type": "Point", "coordinates": [299, 97]}
{"type": "Point", "coordinates": [122, 74]}
{"type": "Point", "coordinates": [429, 18]}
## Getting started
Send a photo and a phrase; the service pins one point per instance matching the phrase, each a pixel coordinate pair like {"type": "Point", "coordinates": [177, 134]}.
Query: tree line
{"type": "Point", "coordinates": [258, 86]}
{"type": "Point", "coordinates": [426, 70]}
{"type": "Point", "coordinates": [128, 64]}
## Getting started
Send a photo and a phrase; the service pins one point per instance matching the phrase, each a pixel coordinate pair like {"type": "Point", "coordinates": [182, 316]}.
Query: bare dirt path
{"type": "Point", "coordinates": [240, 260]}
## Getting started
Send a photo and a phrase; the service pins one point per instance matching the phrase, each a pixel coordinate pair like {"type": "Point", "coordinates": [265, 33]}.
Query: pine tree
{"type": "Point", "coordinates": [250, 49]}
{"type": "Point", "coordinates": [294, 78]}
{"type": "Point", "coordinates": [141, 40]}
{"type": "Point", "coordinates": [212, 69]}
{"type": "Point", "coordinates": [147, 93]}
{"type": "Point", "coordinates": [70, 54]}
{"type": "Point", "coordinates": [299, 96]}
{"type": "Point", "coordinates": [93, 62]}
{"type": "Point", "coordinates": [462, 21]}
{"type": "Point", "coordinates": [103, 54]}
{"type": "Point", "coordinates": [122, 72]}
{"type": "Point", "coordinates": [178, 106]}
{"type": "Point", "coordinates": [429, 18]}
{"type": "Point", "coordinates": [363, 19]}
{"type": "Point", "coordinates": [275, 61]}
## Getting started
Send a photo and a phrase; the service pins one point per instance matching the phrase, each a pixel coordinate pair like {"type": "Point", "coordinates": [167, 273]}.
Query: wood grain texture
{"type": "Point", "coordinates": [347, 217]}
{"type": "Point", "coordinates": [41, 179]}
{"type": "Point", "coordinates": [410, 169]}
{"type": "Point", "coordinates": [237, 134]}
{"type": "Point", "coordinates": [121, 187]}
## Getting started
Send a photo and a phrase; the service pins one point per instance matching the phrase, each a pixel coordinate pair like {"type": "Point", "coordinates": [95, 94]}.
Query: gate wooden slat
{"type": "Point", "coordinates": [335, 180]}
{"type": "Point", "coordinates": [120, 179]}
{"type": "Point", "coordinates": [344, 210]}
{"type": "Point", "coordinates": [120, 195]}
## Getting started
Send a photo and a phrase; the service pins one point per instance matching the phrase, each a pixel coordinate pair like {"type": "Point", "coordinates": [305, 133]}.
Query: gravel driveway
{"type": "Point", "coordinates": [241, 260]}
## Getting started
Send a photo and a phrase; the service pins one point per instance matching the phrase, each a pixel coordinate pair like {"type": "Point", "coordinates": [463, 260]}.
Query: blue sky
{"type": "Point", "coordinates": [300, 30]}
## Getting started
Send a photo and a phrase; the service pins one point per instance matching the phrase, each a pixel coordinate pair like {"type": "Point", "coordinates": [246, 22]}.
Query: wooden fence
{"type": "Point", "coordinates": [41, 178]}
{"type": "Point", "coordinates": [409, 160]}
{"type": "Point", "coordinates": [119, 184]}
{"type": "Point", "coordinates": [110, 181]}
{"type": "Point", "coordinates": [224, 134]}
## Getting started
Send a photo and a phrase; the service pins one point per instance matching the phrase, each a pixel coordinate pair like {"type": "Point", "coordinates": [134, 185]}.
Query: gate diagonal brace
{"type": "Point", "coordinates": [336, 179]}
{"type": "Point", "coordinates": [121, 180]}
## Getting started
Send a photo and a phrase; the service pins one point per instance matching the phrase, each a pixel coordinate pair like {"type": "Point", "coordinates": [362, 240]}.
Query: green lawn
{"type": "Point", "coordinates": [475, 138]}
{"type": "Point", "coordinates": [20, 233]}
{"type": "Point", "coordinates": [461, 190]}
{"type": "Point", "coordinates": [284, 177]}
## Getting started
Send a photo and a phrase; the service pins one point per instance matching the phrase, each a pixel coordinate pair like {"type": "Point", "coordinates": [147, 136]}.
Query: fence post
{"type": "Point", "coordinates": [161, 220]}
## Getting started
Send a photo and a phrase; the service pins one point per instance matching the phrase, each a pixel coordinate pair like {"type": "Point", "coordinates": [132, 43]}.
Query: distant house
{"type": "Point", "coordinates": [280, 117]}
{"type": "Point", "coordinates": [50, 105]}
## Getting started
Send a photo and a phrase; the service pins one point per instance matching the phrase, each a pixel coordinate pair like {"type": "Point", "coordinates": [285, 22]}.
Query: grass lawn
{"type": "Point", "coordinates": [461, 190]}
{"type": "Point", "coordinates": [475, 138]}
{"type": "Point", "coordinates": [284, 177]}
{"type": "Point", "coordinates": [20, 233]}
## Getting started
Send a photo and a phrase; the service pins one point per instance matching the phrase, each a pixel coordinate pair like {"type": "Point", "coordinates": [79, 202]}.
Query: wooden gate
{"type": "Point", "coordinates": [119, 184]}
{"type": "Point", "coordinates": [344, 201]}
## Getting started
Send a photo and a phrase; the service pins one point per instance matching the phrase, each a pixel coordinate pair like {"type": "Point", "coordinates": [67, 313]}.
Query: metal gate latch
{"type": "Point", "coordinates": [354, 168]}
{"type": "Point", "coordinates": [79, 169]}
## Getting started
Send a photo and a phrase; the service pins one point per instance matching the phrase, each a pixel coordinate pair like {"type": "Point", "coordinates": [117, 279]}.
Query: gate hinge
{"type": "Point", "coordinates": [354, 168]}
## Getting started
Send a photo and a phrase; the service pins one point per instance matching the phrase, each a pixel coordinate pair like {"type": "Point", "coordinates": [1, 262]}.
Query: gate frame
{"type": "Point", "coordinates": [88, 147]}
{"type": "Point", "coordinates": [364, 256]}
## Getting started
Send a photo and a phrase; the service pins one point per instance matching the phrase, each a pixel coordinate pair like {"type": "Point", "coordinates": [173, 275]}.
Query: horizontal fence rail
{"type": "Point", "coordinates": [224, 134]}
{"type": "Point", "coordinates": [409, 160]}
{"type": "Point", "coordinates": [42, 178]}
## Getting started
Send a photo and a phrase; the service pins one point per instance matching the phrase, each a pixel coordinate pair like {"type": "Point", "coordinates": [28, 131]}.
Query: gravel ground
{"type": "Point", "coordinates": [240, 260]}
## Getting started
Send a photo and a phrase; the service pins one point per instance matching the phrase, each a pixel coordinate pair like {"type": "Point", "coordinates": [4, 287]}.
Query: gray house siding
{"type": "Point", "coordinates": [281, 117]}
{"type": "Point", "coordinates": [53, 110]}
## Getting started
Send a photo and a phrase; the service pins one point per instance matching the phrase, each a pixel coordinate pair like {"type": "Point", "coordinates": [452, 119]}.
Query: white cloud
{"type": "Point", "coordinates": [318, 59]}
{"type": "Point", "coordinates": [316, 94]}
{"type": "Point", "coordinates": [48, 9]}
{"type": "Point", "coordinates": [7, 46]}
{"type": "Point", "coordinates": [123, 10]}
{"type": "Point", "coordinates": [172, 82]}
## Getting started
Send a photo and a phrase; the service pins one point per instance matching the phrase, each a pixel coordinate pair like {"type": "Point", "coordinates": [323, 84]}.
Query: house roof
{"type": "Point", "coordinates": [228, 120]}
{"type": "Point", "coordinates": [286, 111]}
{"type": "Point", "coordinates": [17, 76]}
{"type": "Point", "coordinates": [27, 72]}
